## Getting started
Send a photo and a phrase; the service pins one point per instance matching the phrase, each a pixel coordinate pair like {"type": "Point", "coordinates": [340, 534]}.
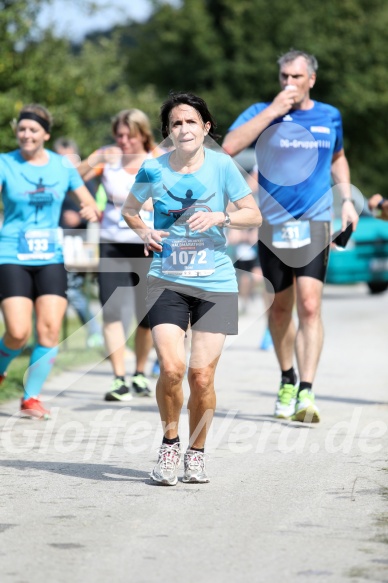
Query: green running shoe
{"type": "Point", "coordinates": [285, 402]}
{"type": "Point", "coordinates": [305, 408]}
{"type": "Point", "coordinates": [120, 391]}
{"type": "Point", "coordinates": [141, 386]}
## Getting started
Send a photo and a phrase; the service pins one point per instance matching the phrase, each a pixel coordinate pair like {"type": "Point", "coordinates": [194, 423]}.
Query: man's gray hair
{"type": "Point", "coordinates": [312, 63]}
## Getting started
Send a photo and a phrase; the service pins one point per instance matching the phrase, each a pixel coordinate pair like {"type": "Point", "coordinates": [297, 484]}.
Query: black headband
{"type": "Point", "coordinates": [35, 117]}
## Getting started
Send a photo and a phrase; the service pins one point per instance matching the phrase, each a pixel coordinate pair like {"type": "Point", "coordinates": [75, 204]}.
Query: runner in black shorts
{"type": "Point", "coordinates": [123, 267]}
{"type": "Point", "coordinates": [33, 182]}
{"type": "Point", "coordinates": [300, 158]}
{"type": "Point", "coordinates": [191, 279]}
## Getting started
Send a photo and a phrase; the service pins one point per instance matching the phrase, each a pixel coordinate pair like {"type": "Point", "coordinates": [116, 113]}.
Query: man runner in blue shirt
{"type": "Point", "coordinates": [299, 150]}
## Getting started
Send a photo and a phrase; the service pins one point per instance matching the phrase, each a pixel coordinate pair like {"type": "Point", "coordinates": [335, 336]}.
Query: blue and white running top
{"type": "Point", "coordinates": [32, 198]}
{"type": "Point", "coordinates": [294, 156]}
{"type": "Point", "coordinates": [196, 259]}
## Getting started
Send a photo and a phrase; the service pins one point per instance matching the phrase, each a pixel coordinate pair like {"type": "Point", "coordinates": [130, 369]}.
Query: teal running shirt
{"type": "Point", "coordinates": [195, 259]}
{"type": "Point", "coordinates": [32, 198]}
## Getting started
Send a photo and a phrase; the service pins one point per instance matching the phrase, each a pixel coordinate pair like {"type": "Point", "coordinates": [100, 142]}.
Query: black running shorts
{"type": "Point", "coordinates": [172, 303]}
{"type": "Point", "coordinates": [32, 281]}
{"type": "Point", "coordinates": [123, 265]}
{"type": "Point", "coordinates": [280, 266]}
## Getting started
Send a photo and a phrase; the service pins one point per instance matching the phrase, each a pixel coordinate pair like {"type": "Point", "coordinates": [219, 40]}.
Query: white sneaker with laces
{"type": "Point", "coordinates": [195, 471]}
{"type": "Point", "coordinates": [166, 470]}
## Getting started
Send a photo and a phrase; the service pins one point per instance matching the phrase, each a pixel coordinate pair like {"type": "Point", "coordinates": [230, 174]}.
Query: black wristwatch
{"type": "Point", "coordinates": [380, 204]}
{"type": "Point", "coordinates": [226, 222]}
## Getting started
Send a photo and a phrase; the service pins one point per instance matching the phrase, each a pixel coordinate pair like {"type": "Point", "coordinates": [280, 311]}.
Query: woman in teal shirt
{"type": "Point", "coordinates": [191, 279]}
{"type": "Point", "coordinates": [33, 184]}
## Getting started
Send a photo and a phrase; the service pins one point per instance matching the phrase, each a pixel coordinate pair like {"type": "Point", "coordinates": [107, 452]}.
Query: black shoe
{"type": "Point", "coordinates": [120, 391]}
{"type": "Point", "coordinates": [141, 386]}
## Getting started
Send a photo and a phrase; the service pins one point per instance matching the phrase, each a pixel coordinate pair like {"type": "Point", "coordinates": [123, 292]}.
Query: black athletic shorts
{"type": "Point", "coordinates": [246, 264]}
{"type": "Point", "coordinates": [172, 303]}
{"type": "Point", "coordinates": [123, 265]}
{"type": "Point", "coordinates": [279, 266]}
{"type": "Point", "coordinates": [32, 281]}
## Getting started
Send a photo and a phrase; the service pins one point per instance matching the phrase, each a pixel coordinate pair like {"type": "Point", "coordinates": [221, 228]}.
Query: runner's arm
{"type": "Point", "coordinates": [247, 215]}
{"type": "Point", "coordinates": [151, 237]}
{"type": "Point", "coordinates": [340, 174]}
{"type": "Point", "coordinates": [89, 209]}
{"type": "Point", "coordinates": [377, 201]}
{"type": "Point", "coordinates": [239, 138]}
{"type": "Point", "coordinates": [93, 165]}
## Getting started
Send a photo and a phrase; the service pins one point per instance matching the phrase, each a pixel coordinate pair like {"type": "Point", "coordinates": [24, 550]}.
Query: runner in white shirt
{"type": "Point", "coordinates": [123, 267]}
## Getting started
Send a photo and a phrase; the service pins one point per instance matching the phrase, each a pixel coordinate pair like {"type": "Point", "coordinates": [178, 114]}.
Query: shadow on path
{"type": "Point", "coordinates": [79, 470]}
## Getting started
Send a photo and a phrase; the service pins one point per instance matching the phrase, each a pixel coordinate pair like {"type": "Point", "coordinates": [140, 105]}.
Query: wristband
{"type": "Point", "coordinates": [380, 204]}
{"type": "Point", "coordinates": [347, 200]}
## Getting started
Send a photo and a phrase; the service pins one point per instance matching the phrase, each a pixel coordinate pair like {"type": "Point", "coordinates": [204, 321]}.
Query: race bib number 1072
{"type": "Point", "coordinates": [188, 257]}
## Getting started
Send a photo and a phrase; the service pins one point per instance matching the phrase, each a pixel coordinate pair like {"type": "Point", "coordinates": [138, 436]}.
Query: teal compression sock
{"type": "Point", "coordinates": [6, 356]}
{"type": "Point", "coordinates": [41, 363]}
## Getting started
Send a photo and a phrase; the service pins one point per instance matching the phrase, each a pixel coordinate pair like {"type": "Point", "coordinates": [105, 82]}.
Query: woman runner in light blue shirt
{"type": "Point", "coordinates": [33, 184]}
{"type": "Point", "coordinates": [191, 279]}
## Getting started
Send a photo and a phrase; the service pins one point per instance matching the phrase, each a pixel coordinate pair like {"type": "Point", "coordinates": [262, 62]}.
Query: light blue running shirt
{"type": "Point", "coordinates": [32, 198]}
{"type": "Point", "coordinates": [294, 156]}
{"type": "Point", "coordinates": [195, 259]}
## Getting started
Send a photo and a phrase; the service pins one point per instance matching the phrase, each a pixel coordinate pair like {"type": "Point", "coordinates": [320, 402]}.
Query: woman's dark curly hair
{"type": "Point", "coordinates": [194, 101]}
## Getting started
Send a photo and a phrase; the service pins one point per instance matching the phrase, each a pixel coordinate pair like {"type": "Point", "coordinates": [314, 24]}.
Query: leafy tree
{"type": "Point", "coordinates": [15, 30]}
{"type": "Point", "coordinates": [83, 87]}
{"type": "Point", "coordinates": [222, 49]}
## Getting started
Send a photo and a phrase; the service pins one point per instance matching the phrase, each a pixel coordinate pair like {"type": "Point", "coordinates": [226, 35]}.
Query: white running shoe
{"type": "Point", "coordinates": [195, 471]}
{"type": "Point", "coordinates": [166, 470]}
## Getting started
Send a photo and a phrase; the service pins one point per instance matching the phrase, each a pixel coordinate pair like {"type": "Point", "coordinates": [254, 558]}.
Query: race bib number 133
{"type": "Point", "coordinates": [36, 245]}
